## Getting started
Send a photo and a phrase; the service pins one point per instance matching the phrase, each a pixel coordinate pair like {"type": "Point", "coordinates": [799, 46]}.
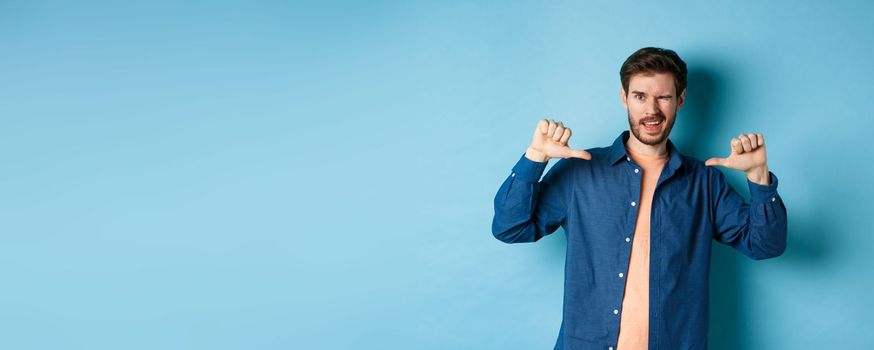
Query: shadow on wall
{"type": "Point", "coordinates": [696, 134]}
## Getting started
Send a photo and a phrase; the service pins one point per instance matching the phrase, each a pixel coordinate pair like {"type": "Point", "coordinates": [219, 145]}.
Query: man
{"type": "Point", "coordinates": [639, 217]}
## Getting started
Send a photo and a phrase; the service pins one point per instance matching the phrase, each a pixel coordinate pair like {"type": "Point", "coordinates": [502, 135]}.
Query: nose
{"type": "Point", "coordinates": [652, 107]}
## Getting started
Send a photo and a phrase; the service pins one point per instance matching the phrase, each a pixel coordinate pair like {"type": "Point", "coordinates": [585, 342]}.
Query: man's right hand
{"type": "Point", "coordinates": [550, 141]}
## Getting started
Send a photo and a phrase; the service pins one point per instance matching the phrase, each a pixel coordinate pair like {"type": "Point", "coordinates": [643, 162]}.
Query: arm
{"type": "Point", "coordinates": [757, 229]}
{"type": "Point", "coordinates": [527, 209]}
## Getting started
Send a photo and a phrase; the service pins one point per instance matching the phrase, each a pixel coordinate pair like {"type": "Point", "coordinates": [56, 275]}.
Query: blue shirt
{"type": "Point", "coordinates": [594, 201]}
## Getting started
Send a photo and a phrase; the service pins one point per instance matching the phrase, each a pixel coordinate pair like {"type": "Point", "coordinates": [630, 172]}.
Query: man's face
{"type": "Point", "coordinates": [652, 104]}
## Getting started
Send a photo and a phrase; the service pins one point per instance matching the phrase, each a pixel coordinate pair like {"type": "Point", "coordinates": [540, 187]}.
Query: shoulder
{"type": "Point", "coordinates": [602, 153]}
{"type": "Point", "coordinates": [694, 164]}
{"type": "Point", "coordinates": [696, 169]}
{"type": "Point", "coordinates": [579, 166]}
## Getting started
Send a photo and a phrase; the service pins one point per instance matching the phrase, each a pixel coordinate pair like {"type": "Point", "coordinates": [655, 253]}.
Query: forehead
{"type": "Point", "coordinates": [652, 83]}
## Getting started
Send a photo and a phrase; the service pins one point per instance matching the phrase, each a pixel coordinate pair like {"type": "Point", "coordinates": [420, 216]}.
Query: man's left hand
{"type": "Point", "coordinates": [747, 155]}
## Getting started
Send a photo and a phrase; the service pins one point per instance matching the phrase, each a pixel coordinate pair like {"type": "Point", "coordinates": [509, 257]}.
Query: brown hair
{"type": "Point", "coordinates": [649, 60]}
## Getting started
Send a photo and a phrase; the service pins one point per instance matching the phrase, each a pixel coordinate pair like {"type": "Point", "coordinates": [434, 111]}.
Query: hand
{"type": "Point", "coordinates": [747, 155]}
{"type": "Point", "coordinates": [550, 141]}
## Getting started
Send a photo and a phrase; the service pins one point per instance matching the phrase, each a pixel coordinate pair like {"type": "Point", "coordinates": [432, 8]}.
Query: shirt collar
{"type": "Point", "coordinates": [618, 152]}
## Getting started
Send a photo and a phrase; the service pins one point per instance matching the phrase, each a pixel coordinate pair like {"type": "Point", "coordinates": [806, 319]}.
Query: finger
{"type": "Point", "coordinates": [745, 141]}
{"type": "Point", "coordinates": [559, 132]}
{"type": "Point", "coordinates": [754, 141]}
{"type": "Point", "coordinates": [760, 139]}
{"type": "Point", "coordinates": [551, 130]}
{"type": "Point", "coordinates": [566, 136]}
{"type": "Point", "coordinates": [573, 153]}
{"type": "Point", "coordinates": [736, 146]}
{"type": "Point", "coordinates": [543, 126]}
{"type": "Point", "coordinates": [582, 155]}
{"type": "Point", "coordinates": [716, 161]}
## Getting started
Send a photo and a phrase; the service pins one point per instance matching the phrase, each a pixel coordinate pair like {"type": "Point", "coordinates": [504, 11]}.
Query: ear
{"type": "Point", "coordinates": [681, 99]}
{"type": "Point", "coordinates": [623, 96]}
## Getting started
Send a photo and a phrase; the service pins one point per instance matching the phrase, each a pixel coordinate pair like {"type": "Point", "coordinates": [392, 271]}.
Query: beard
{"type": "Point", "coordinates": [646, 138]}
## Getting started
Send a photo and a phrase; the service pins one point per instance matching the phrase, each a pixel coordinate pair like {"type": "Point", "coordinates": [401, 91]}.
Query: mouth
{"type": "Point", "coordinates": [652, 125]}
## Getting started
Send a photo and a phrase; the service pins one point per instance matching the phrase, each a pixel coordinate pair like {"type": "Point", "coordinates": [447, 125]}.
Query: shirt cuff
{"type": "Point", "coordinates": [764, 193]}
{"type": "Point", "coordinates": [528, 170]}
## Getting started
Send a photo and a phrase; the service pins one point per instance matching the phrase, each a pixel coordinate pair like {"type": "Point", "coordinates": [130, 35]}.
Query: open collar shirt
{"type": "Point", "coordinates": [595, 201]}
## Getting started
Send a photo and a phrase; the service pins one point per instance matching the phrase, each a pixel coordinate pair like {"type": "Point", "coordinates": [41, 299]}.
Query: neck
{"type": "Point", "coordinates": [635, 146]}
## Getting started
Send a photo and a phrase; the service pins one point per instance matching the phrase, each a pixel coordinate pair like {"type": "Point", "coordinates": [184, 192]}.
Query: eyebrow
{"type": "Point", "coordinates": [642, 93]}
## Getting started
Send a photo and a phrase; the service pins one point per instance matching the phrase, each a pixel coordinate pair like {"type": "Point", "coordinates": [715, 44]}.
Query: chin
{"type": "Point", "coordinates": [652, 141]}
{"type": "Point", "coordinates": [649, 139]}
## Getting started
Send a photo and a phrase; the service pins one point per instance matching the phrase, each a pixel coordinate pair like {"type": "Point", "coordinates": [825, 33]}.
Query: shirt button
{"type": "Point", "coordinates": [628, 239]}
{"type": "Point", "coordinates": [633, 203]}
{"type": "Point", "coordinates": [621, 274]}
{"type": "Point", "coordinates": [773, 199]}
{"type": "Point", "coordinates": [512, 174]}
{"type": "Point", "coordinates": [636, 171]}
{"type": "Point", "coordinates": [615, 311]}
{"type": "Point", "coordinates": [610, 348]}
{"type": "Point", "coordinates": [628, 158]}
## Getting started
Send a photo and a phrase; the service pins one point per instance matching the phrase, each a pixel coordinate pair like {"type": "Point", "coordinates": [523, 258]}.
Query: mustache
{"type": "Point", "coordinates": [652, 118]}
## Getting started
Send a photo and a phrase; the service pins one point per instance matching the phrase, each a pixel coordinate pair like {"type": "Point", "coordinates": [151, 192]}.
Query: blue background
{"type": "Point", "coordinates": [309, 175]}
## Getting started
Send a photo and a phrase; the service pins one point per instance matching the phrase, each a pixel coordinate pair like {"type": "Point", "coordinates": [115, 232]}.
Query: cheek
{"type": "Point", "coordinates": [635, 108]}
{"type": "Point", "coordinates": [668, 108]}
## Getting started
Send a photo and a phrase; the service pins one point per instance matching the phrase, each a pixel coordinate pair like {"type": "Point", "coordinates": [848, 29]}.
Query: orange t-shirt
{"type": "Point", "coordinates": [634, 323]}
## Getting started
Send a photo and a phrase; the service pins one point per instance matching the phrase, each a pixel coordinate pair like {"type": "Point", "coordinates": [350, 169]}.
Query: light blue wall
{"type": "Point", "coordinates": [272, 175]}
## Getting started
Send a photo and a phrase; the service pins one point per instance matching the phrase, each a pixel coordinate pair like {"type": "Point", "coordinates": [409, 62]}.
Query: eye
{"type": "Point", "coordinates": [639, 97]}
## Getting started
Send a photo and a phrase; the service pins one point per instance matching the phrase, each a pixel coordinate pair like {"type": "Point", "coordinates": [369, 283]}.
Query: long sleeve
{"type": "Point", "coordinates": [527, 209]}
{"type": "Point", "coordinates": [756, 229]}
